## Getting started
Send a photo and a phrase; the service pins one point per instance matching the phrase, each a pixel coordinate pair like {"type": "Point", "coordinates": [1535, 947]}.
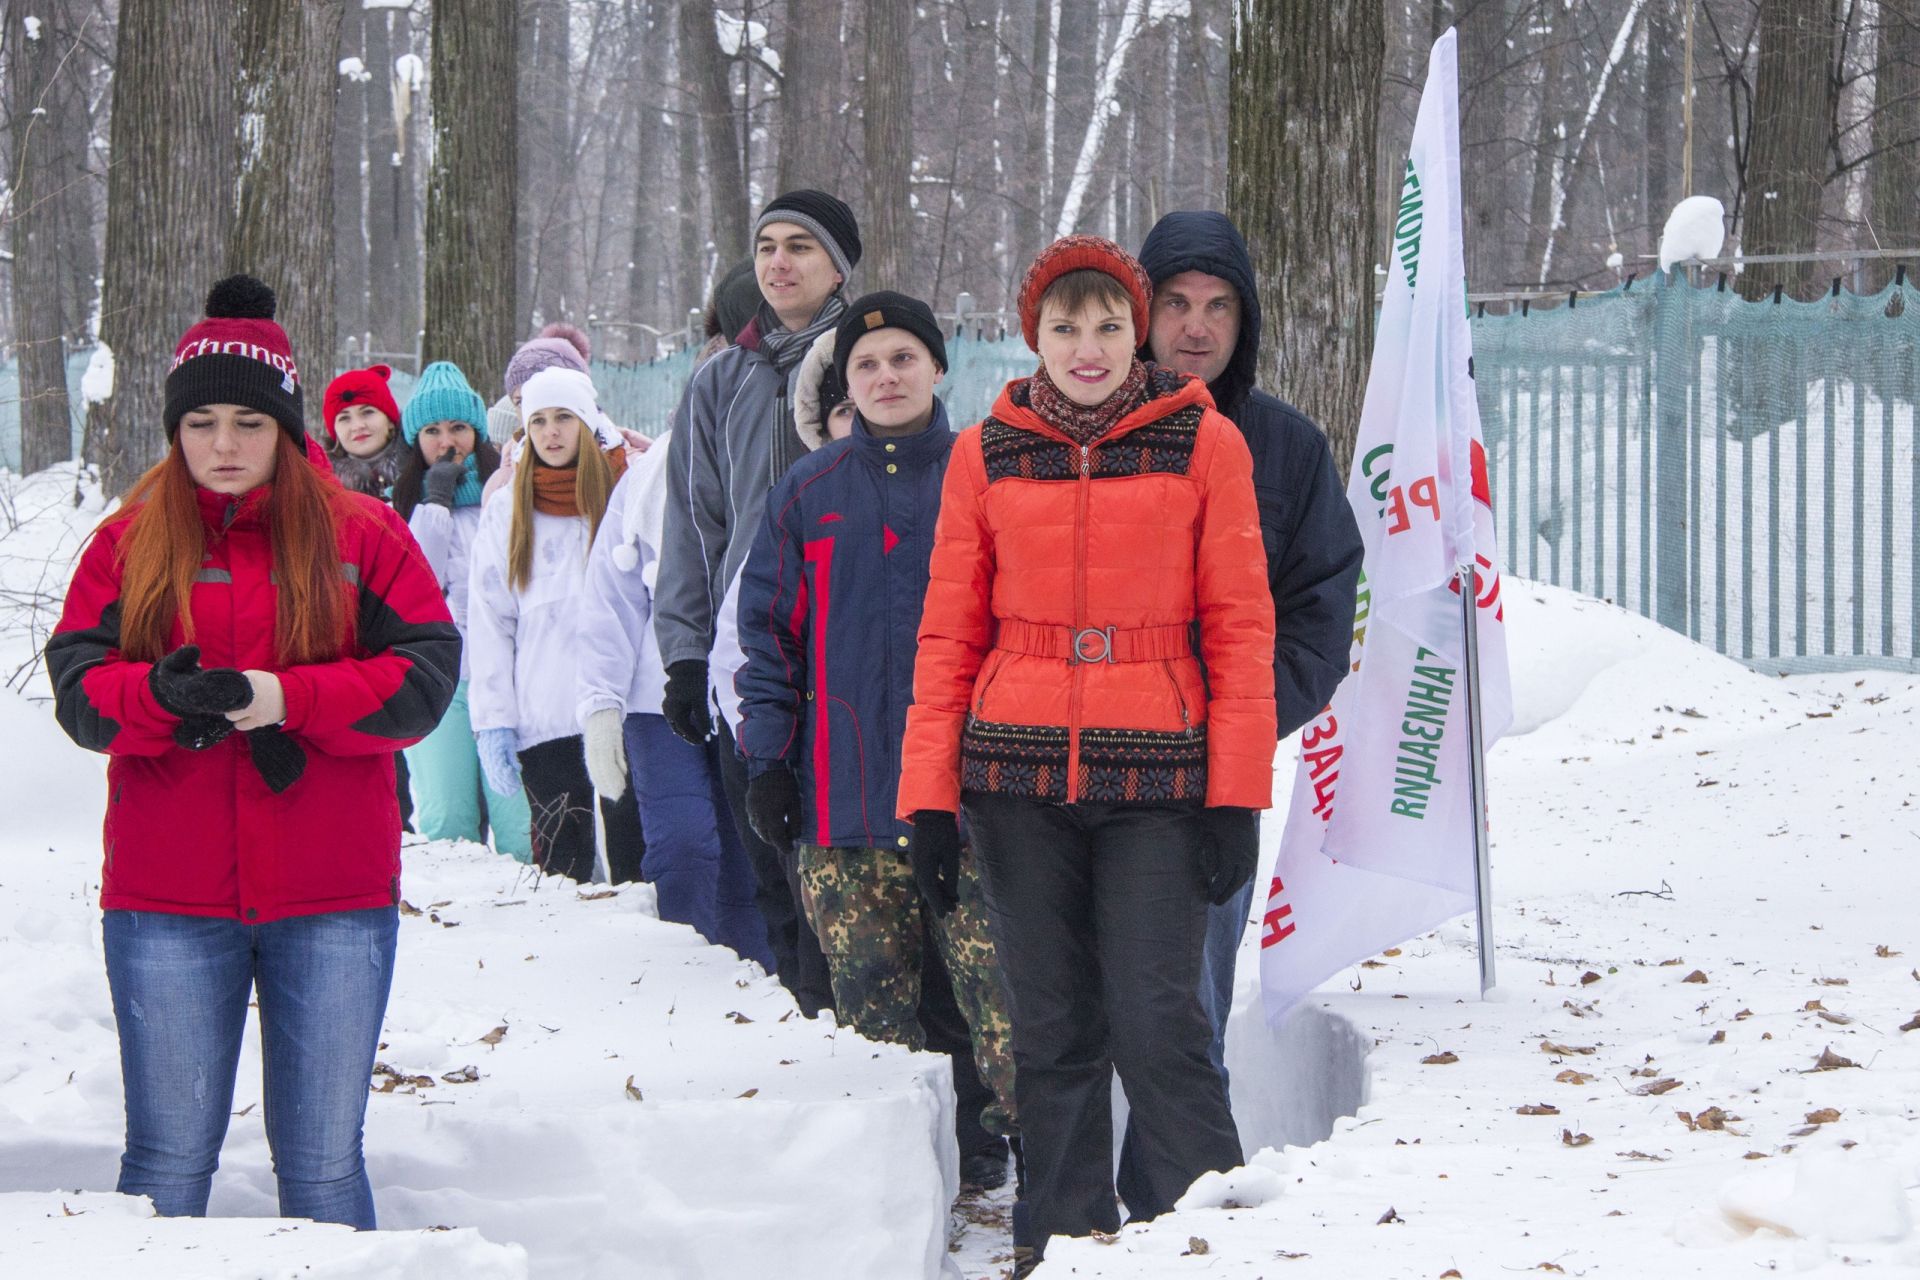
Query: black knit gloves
{"type": "Point", "coordinates": [441, 480]}
{"type": "Point", "coordinates": [773, 807]}
{"type": "Point", "coordinates": [1229, 850]}
{"type": "Point", "coordinates": [277, 756]}
{"type": "Point", "coordinates": [200, 698]}
{"type": "Point", "coordinates": [685, 705]}
{"type": "Point", "coordinates": [934, 850]}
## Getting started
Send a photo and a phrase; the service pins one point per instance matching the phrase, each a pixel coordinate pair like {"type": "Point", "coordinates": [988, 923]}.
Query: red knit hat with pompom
{"type": "Point", "coordinates": [1083, 253]}
{"type": "Point", "coordinates": [361, 386]}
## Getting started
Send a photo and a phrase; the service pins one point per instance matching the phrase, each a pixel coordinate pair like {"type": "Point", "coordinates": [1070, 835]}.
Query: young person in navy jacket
{"type": "Point", "coordinates": [830, 606]}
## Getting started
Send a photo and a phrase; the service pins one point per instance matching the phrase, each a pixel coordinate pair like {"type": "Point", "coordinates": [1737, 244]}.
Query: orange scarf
{"type": "Point", "coordinates": [553, 487]}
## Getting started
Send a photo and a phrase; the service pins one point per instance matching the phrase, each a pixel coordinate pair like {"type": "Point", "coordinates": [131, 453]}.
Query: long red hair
{"type": "Point", "coordinates": [166, 542]}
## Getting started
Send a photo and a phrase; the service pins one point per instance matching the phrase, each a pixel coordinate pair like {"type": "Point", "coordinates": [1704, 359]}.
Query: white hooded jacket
{"type": "Point", "coordinates": [619, 656]}
{"type": "Point", "coordinates": [525, 645]}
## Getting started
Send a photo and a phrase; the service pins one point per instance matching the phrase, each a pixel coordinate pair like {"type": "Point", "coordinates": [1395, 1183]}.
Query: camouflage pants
{"type": "Point", "coordinates": [866, 908]}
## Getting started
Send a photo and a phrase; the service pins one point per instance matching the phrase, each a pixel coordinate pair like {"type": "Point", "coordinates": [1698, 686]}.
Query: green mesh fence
{"type": "Point", "coordinates": [1742, 472]}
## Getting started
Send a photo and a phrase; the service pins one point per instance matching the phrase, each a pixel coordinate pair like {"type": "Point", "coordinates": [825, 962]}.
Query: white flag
{"type": "Point", "coordinates": [1379, 843]}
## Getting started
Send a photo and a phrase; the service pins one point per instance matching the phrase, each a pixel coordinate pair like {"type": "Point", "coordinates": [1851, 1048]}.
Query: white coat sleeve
{"type": "Point", "coordinates": [432, 527]}
{"type": "Point", "coordinates": [493, 624]}
{"type": "Point", "coordinates": [728, 655]}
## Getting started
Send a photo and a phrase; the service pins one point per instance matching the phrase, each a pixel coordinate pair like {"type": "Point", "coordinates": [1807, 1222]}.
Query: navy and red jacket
{"type": "Point", "coordinates": [197, 832]}
{"type": "Point", "coordinates": [830, 604]}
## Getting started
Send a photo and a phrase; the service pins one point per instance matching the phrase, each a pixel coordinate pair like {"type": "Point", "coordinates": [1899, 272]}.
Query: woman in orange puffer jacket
{"type": "Point", "coordinates": [1094, 690]}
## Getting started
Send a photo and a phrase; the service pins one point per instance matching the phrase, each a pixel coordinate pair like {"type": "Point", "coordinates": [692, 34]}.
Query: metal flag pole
{"type": "Point", "coordinates": [1469, 582]}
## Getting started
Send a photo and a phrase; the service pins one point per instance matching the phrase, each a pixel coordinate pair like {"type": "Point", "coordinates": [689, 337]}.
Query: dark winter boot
{"type": "Point", "coordinates": [986, 1168]}
{"type": "Point", "coordinates": [1025, 1256]}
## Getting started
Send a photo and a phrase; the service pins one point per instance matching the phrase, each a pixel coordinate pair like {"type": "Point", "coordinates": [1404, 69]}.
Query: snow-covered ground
{"type": "Point", "coordinates": [1702, 876]}
{"type": "Point", "coordinates": [1694, 1064]}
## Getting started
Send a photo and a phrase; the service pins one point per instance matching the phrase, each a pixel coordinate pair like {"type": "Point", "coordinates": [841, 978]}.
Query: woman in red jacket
{"type": "Point", "coordinates": [249, 643]}
{"type": "Point", "coordinates": [1098, 542]}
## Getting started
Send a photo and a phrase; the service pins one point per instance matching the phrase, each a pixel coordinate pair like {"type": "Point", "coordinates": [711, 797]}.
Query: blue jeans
{"type": "Point", "coordinates": [180, 987]}
{"type": "Point", "coordinates": [695, 861]}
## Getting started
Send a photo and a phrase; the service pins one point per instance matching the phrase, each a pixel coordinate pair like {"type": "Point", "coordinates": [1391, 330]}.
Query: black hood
{"type": "Point", "coordinates": [1197, 240]}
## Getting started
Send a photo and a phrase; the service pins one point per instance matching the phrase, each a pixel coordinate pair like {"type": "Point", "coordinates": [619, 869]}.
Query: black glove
{"type": "Point", "coordinates": [773, 807]}
{"type": "Point", "coordinates": [197, 733]}
{"type": "Point", "coordinates": [934, 850]}
{"type": "Point", "coordinates": [442, 479]}
{"type": "Point", "coordinates": [685, 705]}
{"type": "Point", "coordinates": [1229, 850]}
{"type": "Point", "coordinates": [278, 758]}
{"type": "Point", "coordinates": [182, 687]}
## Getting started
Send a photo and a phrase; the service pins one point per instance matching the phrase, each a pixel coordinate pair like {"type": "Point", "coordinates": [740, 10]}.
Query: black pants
{"type": "Point", "coordinates": [946, 1030]}
{"type": "Point", "coordinates": [797, 959]}
{"type": "Point", "coordinates": [560, 796]}
{"type": "Point", "coordinates": [1098, 915]}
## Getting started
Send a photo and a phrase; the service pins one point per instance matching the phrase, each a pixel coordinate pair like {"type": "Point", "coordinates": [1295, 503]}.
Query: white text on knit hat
{"type": "Point", "coordinates": [253, 351]}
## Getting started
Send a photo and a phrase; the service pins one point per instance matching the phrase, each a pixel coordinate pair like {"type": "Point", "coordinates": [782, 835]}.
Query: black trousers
{"type": "Point", "coordinates": [797, 959]}
{"type": "Point", "coordinates": [1098, 915]}
{"type": "Point", "coordinates": [560, 796]}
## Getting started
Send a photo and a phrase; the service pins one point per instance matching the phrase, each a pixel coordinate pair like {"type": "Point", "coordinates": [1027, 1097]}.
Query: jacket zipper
{"type": "Point", "coordinates": [1078, 676]}
{"type": "Point", "coordinates": [980, 693]}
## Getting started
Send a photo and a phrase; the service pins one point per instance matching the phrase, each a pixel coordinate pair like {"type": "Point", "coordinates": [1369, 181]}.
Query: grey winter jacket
{"type": "Point", "coordinates": [733, 438]}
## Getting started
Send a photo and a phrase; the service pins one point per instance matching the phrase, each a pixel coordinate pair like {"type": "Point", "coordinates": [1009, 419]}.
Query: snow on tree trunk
{"type": "Point", "coordinates": [352, 90]}
{"type": "Point", "coordinates": [1569, 159]}
{"type": "Point", "coordinates": [172, 142]}
{"type": "Point", "coordinates": [1787, 164]}
{"type": "Point", "coordinates": [1106, 108]}
{"type": "Point", "coordinates": [1303, 116]}
{"type": "Point", "coordinates": [471, 190]}
{"type": "Point", "coordinates": [288, 58]}
{"type": "Point", "coordinates": [702, 64]}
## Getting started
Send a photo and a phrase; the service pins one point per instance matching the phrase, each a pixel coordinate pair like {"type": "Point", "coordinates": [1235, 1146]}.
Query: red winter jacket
{"type": "Point", "coordinates": [1142, 551]}
{"type": "Point", "coordinates": [198, 832]}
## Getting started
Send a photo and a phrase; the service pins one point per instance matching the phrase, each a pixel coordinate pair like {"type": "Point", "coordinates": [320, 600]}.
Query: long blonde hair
{"type": "Point", "coordinates": [592, 484]}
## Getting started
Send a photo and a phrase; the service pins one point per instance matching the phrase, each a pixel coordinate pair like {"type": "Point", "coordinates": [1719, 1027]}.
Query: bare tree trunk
{"type": "Point", "coordinates": [1895, 171]}
{"type": "Point", "coordinates": [1037, 174]}
{"type": "Point", "coordinates": [470, 192]}
{"type": "Point", "coordinates": [287, 56]}
{"type": "Point", "coordinates": [1487, 193]}
{"type": "Point", "coordinates": [394, 104]}
{"type": "Point", "coordinates": [1303, 116]}
{"type": "Point", "coordinates": [352, 92]}
{"type": "Point", "coordinates": [1662, 102]}
{"type": "Point", "coordinates": [45, 181]}
{"type": "Point", "coordinates": [546, 169]}
{"type": "Point", "coordinates": [887, 117]}
{"type": "Point", "coordinates": [812, 86]}
{"type": "Point", "coordinates": [1787, 166]}
{"type": "Point", "coordinates": [702, 65]}
{"type": "Point", "coordinates": [172, 144]}
{"type": "Point", "coordinates": [1549, 136]}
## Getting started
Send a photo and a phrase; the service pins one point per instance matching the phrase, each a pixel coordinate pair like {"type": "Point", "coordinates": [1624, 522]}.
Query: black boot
{"type": "Point", "coordinates": [985, 1169]}
{"type": "Point", "coordinates": [1025, 1257]}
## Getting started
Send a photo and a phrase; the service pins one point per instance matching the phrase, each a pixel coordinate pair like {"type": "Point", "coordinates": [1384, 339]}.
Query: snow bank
{"type": "Point", "coordinates": [86, 1234]}
{"type": "Point", "coordinates": [563, 1072]}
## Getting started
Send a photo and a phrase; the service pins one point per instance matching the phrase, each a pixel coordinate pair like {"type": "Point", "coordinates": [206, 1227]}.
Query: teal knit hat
{"type": "Point", "coordinates": [443, 394]}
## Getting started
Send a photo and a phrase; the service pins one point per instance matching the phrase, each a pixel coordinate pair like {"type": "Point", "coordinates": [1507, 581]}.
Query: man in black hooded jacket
{"type": "Point", "coordinates": [1206, 321]}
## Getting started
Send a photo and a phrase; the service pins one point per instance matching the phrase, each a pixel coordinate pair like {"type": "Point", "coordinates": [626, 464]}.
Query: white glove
{"type": "Point", "coordinates": [607, 752]}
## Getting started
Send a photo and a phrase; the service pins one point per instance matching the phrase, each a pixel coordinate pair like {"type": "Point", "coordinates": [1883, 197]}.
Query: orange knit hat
{"type": "Point", "coordinates": [1083, 253]}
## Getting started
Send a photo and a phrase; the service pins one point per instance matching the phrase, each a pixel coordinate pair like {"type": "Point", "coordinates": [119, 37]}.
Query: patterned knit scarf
{"type": "Point", "coordinates": [1086, 423]}
{"type": "Point", "coordinates": [553, 487]}
{"type": "Point", "coordinates": [372, 476]}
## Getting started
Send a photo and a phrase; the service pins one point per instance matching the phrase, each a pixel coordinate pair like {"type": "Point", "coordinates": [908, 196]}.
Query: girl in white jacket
{"type": "Point", "coordinates": [527, 578]}
{"type": "Point", "coordinates": [447, 461]}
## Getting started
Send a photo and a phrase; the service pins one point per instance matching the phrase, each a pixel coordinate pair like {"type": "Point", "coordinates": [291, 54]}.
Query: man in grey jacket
{"type": "Point", "coordinates": [733, 438]}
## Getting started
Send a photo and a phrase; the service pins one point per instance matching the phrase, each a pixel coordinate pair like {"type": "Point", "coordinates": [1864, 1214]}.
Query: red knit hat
{"type": "Point", "coordinates": [361, 386]}
{"type": "Point", "coordinates": [1082, 253]}
{"type": "Point", "coordinates": [237, 355]}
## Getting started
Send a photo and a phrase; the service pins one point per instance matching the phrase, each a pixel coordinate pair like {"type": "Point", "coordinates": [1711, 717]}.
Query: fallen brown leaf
{"type": "Point", "coordinates": [1570, 1076]}
{"type": "Point", "coordinates": [1568, 1138]}
{"type": "Point", "coordinates": [738, 1017]}
{"type": "Point", "coordinates": [1655, 1088]}
{"type": "Point", "coordinates": [1912, 1024]}
{"type": "Point", "coordinates": [1743, 1015]}
{"type": "Point", "coordinates": [598, 895]}
{"type": "Point", "coordinates": [1589, 978]}
{"type": "Point", "coordinates": [1666, 963]}
{"type": "Point", "coordinates": [748, 1094]}
{"type": "Point", "coordinates": [1641, 1155]}
{"type": "Point", "coordinates": [1825, 1115]}
{"type": "Point", "coordinates": [1195, 1247]}
{"type": "Point", "coordinates": [1831, 1061]}
{"type": "Point", "coordinates": [1564, 1050]}
{"type": "Point", "coordinates": [1389, 1216]}
{"type": "Point", "coordinates": [1812, 1006]}
{"type": "Point", "coordinates": [408, 909]}
{"type": "Point", "coordinates": [496, 1035]}
{"type": "Point", "coordinates": [1538, 1109]}
{"type": "Point", "coordinates": [1885, 952]}
{"type": "Point", "coordinates": [1391, 951]}
{"type": "Point", "coordinates": [1801, 1133]}
{"type": "Point", "coordinates": [1718, 1037]}
{"type": "Point", "coordinates": [633, 1091]}
{"type": "Point", "coordinates": [1755, 1155]}
{"type": "Point", "coordinates": [1696, 976]}
{"type": "Point", "coordinates": [465, 1075]}
{"type": "Point", "coordinates": [1831, 982]}
{"type": "Point", "coordinates": [1840, 1019]}
{"type": "Point", "coordinates": [1441, 1059]}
